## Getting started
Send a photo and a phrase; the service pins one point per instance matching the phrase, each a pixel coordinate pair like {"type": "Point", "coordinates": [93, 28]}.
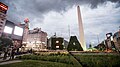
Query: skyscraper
{"type": "Point", "coordinates": [81, 29]}
{"type": "Point", "coordinates": [3, 16]}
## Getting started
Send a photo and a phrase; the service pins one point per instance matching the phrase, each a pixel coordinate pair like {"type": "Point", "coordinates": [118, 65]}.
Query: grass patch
{"type": "Point", "coordinates": [60, 58]}
{"type": "Point", "coordinates": [36, 63]}
{"type": "Point", "coordinates": [52, 58]}
{"type": "Point", "coordinates": [99, 60]}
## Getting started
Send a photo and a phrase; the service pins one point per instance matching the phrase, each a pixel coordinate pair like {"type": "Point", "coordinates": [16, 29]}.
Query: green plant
{"type": "Point", "coordinates": [53, 58]}
{"type": "Point", "coordinates": [99, 60]}
{"type": "Point", "coordinates": [74, 44]}
{"type": "Point", "coordinates": [36, 63]}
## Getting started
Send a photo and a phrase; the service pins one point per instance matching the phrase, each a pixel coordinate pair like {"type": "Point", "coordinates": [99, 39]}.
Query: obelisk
{"type": "Point", "coordinates": [81, 29]}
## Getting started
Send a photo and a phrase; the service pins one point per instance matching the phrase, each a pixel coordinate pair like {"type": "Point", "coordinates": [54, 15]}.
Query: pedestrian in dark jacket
{"type": "Point", "coordinates": [5, 53]}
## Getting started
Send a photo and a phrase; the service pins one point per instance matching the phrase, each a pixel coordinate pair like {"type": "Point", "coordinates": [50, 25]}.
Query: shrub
{"type": "Point", "coordinates": [53, 58]}
{"type": "Point", "coordinates": [99, 60]}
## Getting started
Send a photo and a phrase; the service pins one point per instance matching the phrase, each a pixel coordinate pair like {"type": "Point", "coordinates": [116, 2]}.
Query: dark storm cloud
{"type": "Point", "coordinates": [103, 17]}
{"type": "Point", "coordinates": [19, 9]}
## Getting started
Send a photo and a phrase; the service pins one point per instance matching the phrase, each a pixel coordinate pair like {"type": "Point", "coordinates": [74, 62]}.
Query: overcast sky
{"type": "Point", "coordinates": [99, 16]}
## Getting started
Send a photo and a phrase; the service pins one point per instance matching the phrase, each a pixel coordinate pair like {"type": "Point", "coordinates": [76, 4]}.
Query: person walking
{"type": "Point", "coordinates": [5, 53]}
{"type": "Point", "coordinates": [13, 53]}
{"type": "Point", "coordinates": [10, 53]}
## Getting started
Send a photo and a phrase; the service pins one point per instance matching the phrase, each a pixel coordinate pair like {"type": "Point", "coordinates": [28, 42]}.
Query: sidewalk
{"type": "Point", "coordinates": [11, 61]}
{"type": "Point", "coordinates": [8, 58]}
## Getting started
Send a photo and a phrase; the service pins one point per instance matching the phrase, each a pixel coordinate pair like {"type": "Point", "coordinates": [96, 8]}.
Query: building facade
{"type": "Point", "coordinates": [3, 11]}
{"type": "Point", "coordinates": [14, 32]}
{"type": "Point", "coordinates": [36, 40]}
{"type": "Point", "coordinates": [109, 41]}
{"type": "Point", "coordinates": [116, 39]}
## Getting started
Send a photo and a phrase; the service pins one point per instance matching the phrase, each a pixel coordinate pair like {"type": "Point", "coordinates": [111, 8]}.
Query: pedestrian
{"type": "Point", "coordinates": [0, 53]}
{"type": "Point", "coordinates": [10, 51]}
{"type": "Point", "coordinates": [31, 50]}
{"type": "Point", "coordinates": [13, 53]}
{"type": "Point", "coordinates": [5, 53]}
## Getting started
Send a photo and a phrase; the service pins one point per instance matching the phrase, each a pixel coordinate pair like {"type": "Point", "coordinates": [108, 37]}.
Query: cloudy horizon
{"type": "Point", "coordinates": [99, 16]}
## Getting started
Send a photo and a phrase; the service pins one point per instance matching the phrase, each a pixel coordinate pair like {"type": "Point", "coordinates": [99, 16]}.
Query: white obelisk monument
{"type": "Point", "coordinates": [81, 29]}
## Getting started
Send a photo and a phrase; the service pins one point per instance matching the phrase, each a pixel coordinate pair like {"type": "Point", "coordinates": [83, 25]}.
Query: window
{"type": "Point", "coordinates": [2, 19]}
{"type": "Point", "coordinates": [1, 22]}
{"type": "Point", "coordinates": [118, 39]}
{"type": "Point", "coordinates": [0, 25]}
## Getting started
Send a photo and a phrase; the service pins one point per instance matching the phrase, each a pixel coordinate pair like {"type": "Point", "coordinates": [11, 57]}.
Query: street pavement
{"type": "Point", "coordinates": [7, 58]}
{"type": "Point", "coordinates": [8, 61]}
{"type": "Point", "coordinates": [11, 61]}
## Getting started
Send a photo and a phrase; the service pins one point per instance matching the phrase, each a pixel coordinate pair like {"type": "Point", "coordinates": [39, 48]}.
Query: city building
{"type": "Point", "coordinates": [36, 39]}
{"type": "Point", "coordinates": [10, 29]}
{"type": "Point", "coordinates": [65, 44]}
{"type": "Point", "coordinates": [3, 11]}
{"type": "Point", "coordinates": [26, 30]}
{"type": "Point", "coordinates": [14, 32]}
{"type": "Point", "coordinates": [108, 41]}
{"type": "Point", "coordinates": [116, 39]}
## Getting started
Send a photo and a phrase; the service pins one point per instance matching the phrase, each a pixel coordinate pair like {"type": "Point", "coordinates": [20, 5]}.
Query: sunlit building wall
{"type": "Point", "coordinates": [36, 39]}
{"type": "Point", "coordinates": [116, 39]}
{"type": "Point", "coordinates": [26, 30]}
{"type": "Point", "coordinates": [14, 32]}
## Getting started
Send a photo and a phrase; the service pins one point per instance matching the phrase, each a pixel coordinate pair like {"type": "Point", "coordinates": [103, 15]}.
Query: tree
{"type": "Point", "coordinates": [74, 44]}
{"type": "Point", "coordinates": [101, 46]}
{"type": "Point", "coordinates": [4, 42]}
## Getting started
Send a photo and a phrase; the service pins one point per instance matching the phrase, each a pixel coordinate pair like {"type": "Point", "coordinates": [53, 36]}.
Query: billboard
{"type": "Point", "coordinates": [3, 8]}
{"type": "Point", "coordinates": [18, 31]}
{"type": "Point", "coordinates": [8, 29]}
